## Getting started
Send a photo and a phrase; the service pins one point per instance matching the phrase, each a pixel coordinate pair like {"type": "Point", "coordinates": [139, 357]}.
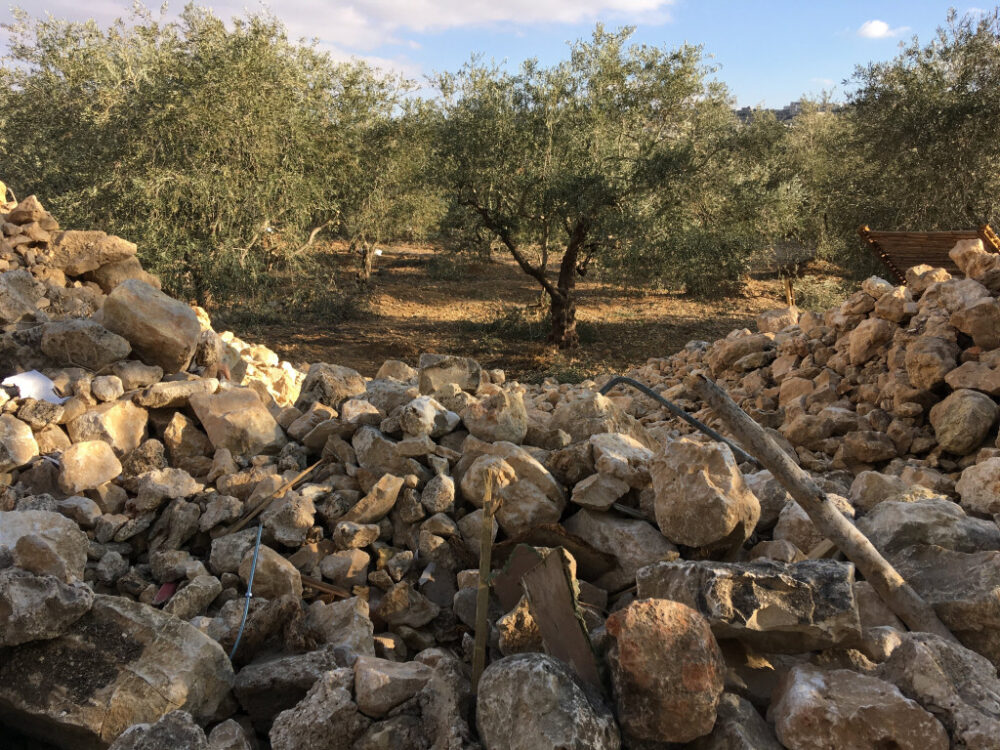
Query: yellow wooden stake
{"type": "Point", "coordinates": [483, 587]}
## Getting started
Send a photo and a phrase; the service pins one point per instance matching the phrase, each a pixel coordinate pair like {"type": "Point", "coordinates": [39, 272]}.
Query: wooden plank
{"type": "Point", "coordinates": [554, 605]}
{"type": "Point", "coordinates": [483, 584]}
{"type": "Point", "coordinates": [507, 583]}
{"type": "Point", "coordinates": [903, 250]}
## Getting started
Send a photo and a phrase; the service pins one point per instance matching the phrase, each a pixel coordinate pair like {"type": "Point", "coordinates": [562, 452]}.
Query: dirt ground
{"type": "Point", "coordinates": [425, 301]}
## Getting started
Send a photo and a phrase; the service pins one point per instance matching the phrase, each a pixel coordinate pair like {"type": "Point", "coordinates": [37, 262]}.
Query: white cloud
{"type": "Point", "coordinates": [876, 29]}
{"type": "Point", "coordinates": [357, 28]}
{"type": "Point", "coordinates": [822, 81]}
{"type": "Point", "coordinates": [367, 24]}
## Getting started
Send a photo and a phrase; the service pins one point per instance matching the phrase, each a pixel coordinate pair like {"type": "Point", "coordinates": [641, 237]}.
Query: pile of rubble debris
{"type": "Point", "coordinates": [647, 590]}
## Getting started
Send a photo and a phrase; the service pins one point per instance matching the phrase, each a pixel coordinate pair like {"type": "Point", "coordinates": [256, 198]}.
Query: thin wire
{"type": "Point", "coordinates": [249, 595]}
{"type": "Point", "coordinates": [741, 454]}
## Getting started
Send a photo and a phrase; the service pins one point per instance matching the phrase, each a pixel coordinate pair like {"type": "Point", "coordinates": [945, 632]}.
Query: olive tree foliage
{"type": "Point", "coordinates": [222, 151]}
{"type": "Point", "coordinates": [589, 160]}
{"type": "Point", "coordinates": [384, 151]}
{"type": "Point", "coordinates": [738, 210]}
{"type": "Point", "coordinates": [926, 130]}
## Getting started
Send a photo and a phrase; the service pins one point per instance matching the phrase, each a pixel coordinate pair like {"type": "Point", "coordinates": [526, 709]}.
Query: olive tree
{"type": "Point", "coordinates": [583, 160]}
{"type": "Point", "coordinates": [223, 151]}
{"type": "Point", "coordinates": [926, 127]}
{"type": "Point", "coordinates": [383, 150]}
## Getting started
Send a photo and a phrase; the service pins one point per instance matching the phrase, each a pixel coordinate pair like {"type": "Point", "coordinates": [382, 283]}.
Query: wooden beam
{"type": "Point", "coordinates": [828, 520]}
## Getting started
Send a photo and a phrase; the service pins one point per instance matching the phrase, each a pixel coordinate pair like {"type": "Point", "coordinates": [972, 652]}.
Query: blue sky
{"type": "Point", "coordinates": [769, 53]}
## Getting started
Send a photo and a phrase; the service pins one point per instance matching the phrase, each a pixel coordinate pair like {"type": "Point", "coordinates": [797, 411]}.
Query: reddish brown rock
{"type": "Point", "coordinates": [666, 670]}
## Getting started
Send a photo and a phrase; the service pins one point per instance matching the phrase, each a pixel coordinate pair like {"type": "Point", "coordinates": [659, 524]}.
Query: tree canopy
{"type": "Point", "coordinates": [227, 150]}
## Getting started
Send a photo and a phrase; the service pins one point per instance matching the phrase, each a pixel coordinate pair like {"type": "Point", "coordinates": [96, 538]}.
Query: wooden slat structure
{"type": "Point", "coordinates": [902, 250]}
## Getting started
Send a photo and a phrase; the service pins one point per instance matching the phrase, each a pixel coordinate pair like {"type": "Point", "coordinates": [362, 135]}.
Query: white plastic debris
{"type": "Point", "coordinates": [33, 384]}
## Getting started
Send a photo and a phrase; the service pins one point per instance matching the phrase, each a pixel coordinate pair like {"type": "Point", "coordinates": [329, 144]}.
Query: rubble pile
{"type": "Point", "coordinates": [647, 591]}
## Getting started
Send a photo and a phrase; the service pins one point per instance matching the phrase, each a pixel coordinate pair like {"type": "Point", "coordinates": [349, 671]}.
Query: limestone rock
{"type": "Point", "coordinates": [497, 414]}
{"type": "Point", "coordinates": [345, 625]}
{"type": "Point", "coordinates": [770, 494]}
{"type": "Point", "coordinates": [135, 374]}
{"type": "Point", "coordinates": [161, 330]}
{"type": "Point", "coordinates": [701, 498]}
{"type": "Point", "coordinates": [346, 568]}
{"type": "Point", "coordinates": [121, 424]}
{"type": "Point", "coordinates": [976, 376]}
{"type": "Point", "coordinates": [106, 388]}
{"type": "Point", "coordinates": [175, 730]}
{"type": "Point", "coordinates": [554, 709]}
{"type": "Point", "coordinates": [326, 719]}
{"type": "Point", "coordinates": [962, 421]}
{"type": "Point", "coordinates": [228, 735]}
{"type": "Point", "coordinates": [956, 685]}
{"type": "Point", "coordinates": [76, 252]}
{"type": "Point", "coordinates": [867, 338]}
{"type": "Point", "coordinates": [473, 482]}
{"type": "Point", "coordinates": [378, 502]}
{"type": "Point", "coordinates": [962, 587]}
{"type": "Point", "coordinates": [194, 598]}
{"type": "Point", "coordinates": [54, 540]}
{"type": "Point", "coordinates": [773, 607]}
{"type": "Point", "coordinates": [289, 519]}
{"type": "Point", "coordinates": [28, 210]}
{"type": "Point", "coordinates": [437, 370]}
{"type": "Point", "coordinates": [870, 488]}
{"type": "Point", "coordinates": [599, 492]}
{"type": "Point", "coordinates": [330, 385]}
{"type": "Point", "coordinates": [17, 444]}
{"type": "Point", "coordinates": [401, 605]}
{"type": "Point", "coordinates": [380, 454]}
{"type": "Point", "coordinates": [111, 275]}
{"type": "Point", "coordinates": [895, 525]}
{"type": "Point", "coordinates": [160, 484]}
{"type": "Point", "coordinates": [795, 526]}
{"type": "Point", "coordinates": [738, 727]}
{"type": "Point", "coordinates": [124, 663]}
{"type": "Point", "coordinates": [425, 416]}
{"type": "Point", "coordinates": [381, 685]}
{"type": "Point", "coordinates": [633, 542]}
{"type": "Point", "coordinates": [524, 506]}
{"type": "Point", "coordinates": [86, 466]}
{"type": "Point", "coordinates": [275, 576]}
{"type": "Point", "coordinates": [928, 360]}
{"type": "Point", "coordinates": [38, 607]}
{"type": "Point", "coordinates": [896, 305]}
{"type": "Point", "coordinates": [593, 413]}
{"type": "Point", "coordinates": [979, 487]}
{"type": "Point", "coordinates": [236, 420]}
{"type": "Point", "coordinates": [397, 370]}
{"type": "Point", "coordinates": [814, 709]}
{"type": "Point", "coordinates": [19, 295]}
{"type": "Point", "coordinates": [174, 394]}
{"type": "Point", "coordinates": [438, 495]}
{"type": "Point", "coordinates": [622, 457]}
{"type": "Point", "coordinates": [183, 440]}
{"type": "Point", "coordinates": [666, 670]}
{"type": "Point", "coordinates": [83, 343]}
{"type": "Point", "coordinates": [777, 320]}
{"type": "Point", "coordinates": [271, 685]}
{"type": "Point", "coordinates": [981, 321]}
